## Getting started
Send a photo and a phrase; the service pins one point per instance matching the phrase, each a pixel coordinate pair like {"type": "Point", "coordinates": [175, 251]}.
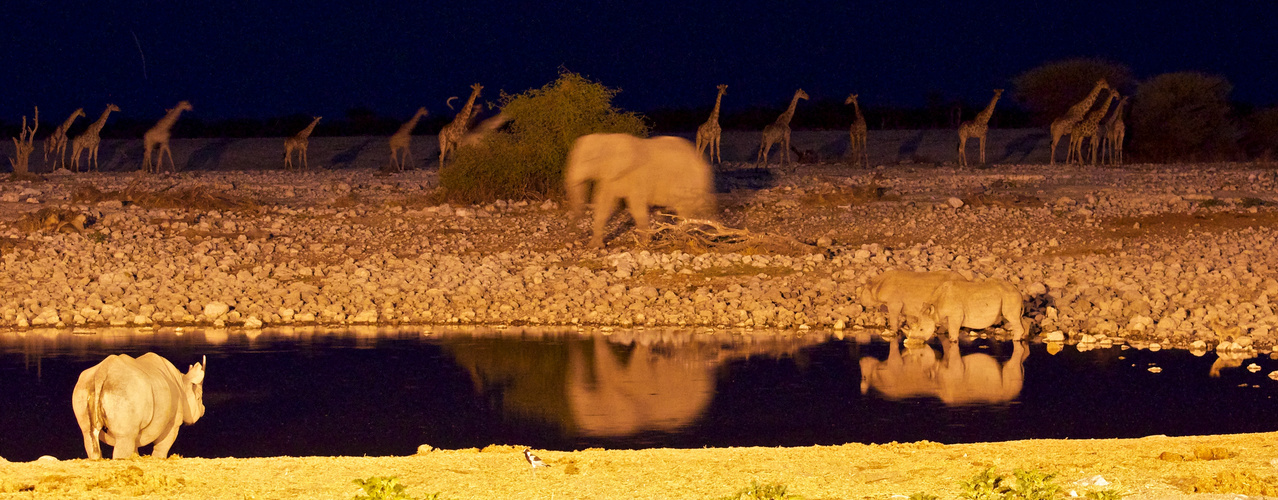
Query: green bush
{"type": "Point", "coordinates": [386, 488]}
{"type": "Point", "coordinates": [1183, 117]}
{"type": "Point", "coordinates": [764, 491]}
{"type": "Point", "coordinates": [527, 159]}
{"type": "Point", "coordinates": [1049, 90]}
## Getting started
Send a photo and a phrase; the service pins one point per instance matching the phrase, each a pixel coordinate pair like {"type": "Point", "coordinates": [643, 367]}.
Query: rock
{"type": "Point", "coordinates": [252, 323]}
{"type": "Point", "coordinates": [954, 202]}
{"type": "Point", "coordinates": [1155, 369]}
{"type": "Point", "coordinates": [47, 458]}
{"type": "Point", "coordinates": [424, 449]}
{"type": "Point", "coordinates": [1273, 375]}
{"type": "Point", "coordinates": [1253, 368]}
{"type": "Point", "coordinates": [214, 310]}
{"type": "Point", "coordinates": [1056, 336]}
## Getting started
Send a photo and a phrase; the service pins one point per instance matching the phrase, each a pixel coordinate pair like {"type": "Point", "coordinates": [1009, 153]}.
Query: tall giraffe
{"type": "Point", "coordinates": [1086, 129]}
{"type": "Point", "coordinates": [401, 140]}
{"type": "Point", "coordinates": [58, 141]}
{"type": "Point", "coordinates": [90, 140]}
{"type": "Point", "coordinates": [159, 136]}
{"type": "Point", "coordinates": [1115, 130]}
{"type": "Point", "coordinates": [977, 128]}
{"type": "Point", "coordinates": [1064, 124]}
{"type": "Point", "coordinates": [709, 133]}
{"type": "Point", "coordinates": [779, 131]}
{"type": "Point", "coordinates": [857, 135]}
{"type": "Point", "coordinates": [450, 136]}
{"type": "Point", "coordinates": [298, 142]}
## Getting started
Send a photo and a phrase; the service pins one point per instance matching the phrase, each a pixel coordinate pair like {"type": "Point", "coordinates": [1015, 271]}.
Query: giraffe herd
{"type": "Point", "coordinates": [1105, 132]}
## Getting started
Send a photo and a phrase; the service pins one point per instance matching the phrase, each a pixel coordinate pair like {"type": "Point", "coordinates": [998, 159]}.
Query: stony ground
{"type": "Point", "coordinates": [1178, 255]}
{"type": "Point", "coordinates": [1208, 467]}
{"type": "Point", "coordinates": [1170, 254]}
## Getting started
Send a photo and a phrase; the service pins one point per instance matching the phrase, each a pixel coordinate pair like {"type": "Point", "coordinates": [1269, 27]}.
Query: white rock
{"type": "Point", "coordinates": [1155, 369]}
{"type": "Point", "coordinates": [252, 323]}
{"type": "Point", "coordinates": [954, 202]}
{"type": "Point", "coordinates": [1253, 368]}
{"type": "Point", "coordinates": [1056, 336]}
{"type": "Point", "coordinates": [214, 310]}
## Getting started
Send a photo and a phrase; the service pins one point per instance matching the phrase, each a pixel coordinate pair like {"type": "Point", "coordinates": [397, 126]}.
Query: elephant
{"type": "Point", "coordinates": [659, 171]}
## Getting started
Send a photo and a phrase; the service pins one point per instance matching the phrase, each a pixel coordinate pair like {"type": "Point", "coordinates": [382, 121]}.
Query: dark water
{"type": "Point", "coordinates": [371, 392]}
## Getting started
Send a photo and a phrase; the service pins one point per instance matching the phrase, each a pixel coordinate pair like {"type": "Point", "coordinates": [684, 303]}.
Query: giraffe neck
{"type": "Point", "coordinates": [984, 116]}
{"type": "Point", "coordinates": [856, 108]}
{"type": "Point", "coordinates": [1081, 108]}
{"type": "Point", "coordinates": [470, 103]}
{"type": "Point", "coordinates": [96, 126]}
{"type": "Point", "coordinates": [407, 128]}
{"type": "Point", "coordinates": [306, 132]}
{"type": "Point", "coordinates": [714, 113]}
{"type": "Point", "coordinates": [1118, 113]}
{"type": "Point", "coordinates": [785, 117]}
{"type": "Point", "coordinates": [67, 124]}
{"type": "Point", "coordinates": [169, 119]}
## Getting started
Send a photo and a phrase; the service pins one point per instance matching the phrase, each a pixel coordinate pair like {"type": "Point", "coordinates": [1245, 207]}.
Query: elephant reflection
{"type": "Point", "coordinates": [954, 379]}
{"type": "Point", "coordinates": [651, 391]}
{"type": "Point", "coordinates": [615, 385]}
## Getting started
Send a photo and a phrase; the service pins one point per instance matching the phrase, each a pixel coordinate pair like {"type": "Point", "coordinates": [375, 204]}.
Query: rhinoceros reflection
{"type": "Point", "coordinates": [954, 378]}
{"type": "Point", "coordinates": [616, 385]}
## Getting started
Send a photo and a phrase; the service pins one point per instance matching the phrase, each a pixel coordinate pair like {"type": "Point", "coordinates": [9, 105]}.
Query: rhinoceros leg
{"type": "Point", "coordinates": [165, 441]}
{"type": "Point", "coordinates": [125, 447]}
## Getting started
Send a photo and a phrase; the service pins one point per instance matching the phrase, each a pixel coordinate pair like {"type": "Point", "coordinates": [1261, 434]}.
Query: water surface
{"type": "Point", "coordinates": [375, 391]}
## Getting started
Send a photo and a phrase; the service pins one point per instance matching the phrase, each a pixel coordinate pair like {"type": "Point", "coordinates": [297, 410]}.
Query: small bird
{"type": "Point", "coordinates": [533, 460]}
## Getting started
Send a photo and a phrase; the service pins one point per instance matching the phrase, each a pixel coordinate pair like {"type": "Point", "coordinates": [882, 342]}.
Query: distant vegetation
{"type": "Point", "coordinates": [527, 159]}
{"type": "Point", "coordinates": [1184, 116]}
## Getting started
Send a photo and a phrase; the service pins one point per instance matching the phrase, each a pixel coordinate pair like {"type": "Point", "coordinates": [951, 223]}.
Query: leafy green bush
{"type": "Point", "coordinates": [985, 485]}
{"type": "Point", "coordinates": [1034, 485]}
{"type": "Point", "coordinates": [386, 488]}
{"type": "Point", "coordinates": [527, 160]}
{"type": "Point", "coordinates": [765, 491]}
{"type": "Point", "coordinates": [1183, 117]}
{"type": "Point", "coordinates": [1049, 90]}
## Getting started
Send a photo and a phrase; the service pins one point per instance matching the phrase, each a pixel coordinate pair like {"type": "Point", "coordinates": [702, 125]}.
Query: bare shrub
{"type": "Point", "coordinates": [1260, 135]}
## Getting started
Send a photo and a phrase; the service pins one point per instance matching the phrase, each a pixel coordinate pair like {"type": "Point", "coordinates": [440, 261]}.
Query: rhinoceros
{"type": "Point", "coordinates": [127, 403]}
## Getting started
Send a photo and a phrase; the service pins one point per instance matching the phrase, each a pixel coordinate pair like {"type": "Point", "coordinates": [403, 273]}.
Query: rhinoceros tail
{"type": "Point", "coordinates": [96, 415]}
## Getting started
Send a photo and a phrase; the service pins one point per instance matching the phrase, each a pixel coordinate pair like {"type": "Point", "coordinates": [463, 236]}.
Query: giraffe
{"type": "Point", "coordinates": [1064, 124]}
{"type": "Point", "coordinates": [977, 128]}
{"type": "Point", "coordinates": [779, 131]}
{"type": "Point", "coordinates": [1086, 129]}
{"type": "Point", "coordinates": [89, 140]}
{"type": "Point", "coordinates": [158, 136]}
{"type": "Point", "coordinates": [298, 142]}
{"type": "Point", "coordinates": [58, 141]}
{"type": "Point", "coordinates": [709, 133]}
{"type": "Point", "coordinates": [401, 140]}
{"type": "Point", "coordinates": [1114, 132]}
{"type": "Point", "coordinates": [450, 136]}
{"type": "Point", "coordinates": [857, 135]}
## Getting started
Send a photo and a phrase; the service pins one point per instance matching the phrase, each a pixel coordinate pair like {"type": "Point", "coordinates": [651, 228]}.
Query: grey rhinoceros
{"type": "Point", "coordinates": [127, 403]}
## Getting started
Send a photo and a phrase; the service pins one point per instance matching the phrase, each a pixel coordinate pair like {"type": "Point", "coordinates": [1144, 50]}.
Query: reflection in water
{"type": "Point", "coordinates": [615, 385]}
{"type": "Point", "coordinates": [954, 379]}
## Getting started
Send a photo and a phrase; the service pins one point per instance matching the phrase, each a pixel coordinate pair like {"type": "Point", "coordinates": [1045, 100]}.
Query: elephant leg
{"type": "Point", "coordinates": [605, 203]}
{"type": "Point", "coordinates": [640, 212]}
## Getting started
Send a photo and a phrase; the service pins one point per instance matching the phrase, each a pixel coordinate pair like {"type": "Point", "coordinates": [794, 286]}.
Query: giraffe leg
{"type": "Point", "coordinates": [982, 150]}
{"type": "Point", "coordinates": [785, 139]}
{"type": "Point", "coordinates": [305, 166]}
{"type": "Point", "coordinates": [962, 150]}
{"type": "Point", "coordinates": [172, 165]}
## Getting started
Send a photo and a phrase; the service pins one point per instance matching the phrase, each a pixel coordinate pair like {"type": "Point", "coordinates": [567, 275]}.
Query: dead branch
{"type": "Point", "coordinates": [24, 144]}
{"type": "Point", "coordinates": [704, 234]}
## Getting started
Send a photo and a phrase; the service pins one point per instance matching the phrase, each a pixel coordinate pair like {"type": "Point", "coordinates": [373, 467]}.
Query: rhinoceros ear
{"type": "Point", "coordinates": [195, 375]}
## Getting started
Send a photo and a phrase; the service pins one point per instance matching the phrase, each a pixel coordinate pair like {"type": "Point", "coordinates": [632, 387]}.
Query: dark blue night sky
{"type": "Point", "coordinates": [264, 58]}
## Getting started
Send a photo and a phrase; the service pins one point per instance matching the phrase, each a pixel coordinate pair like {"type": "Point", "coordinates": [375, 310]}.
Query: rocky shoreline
{"type": "Point", "coordinates": [1167, 254]}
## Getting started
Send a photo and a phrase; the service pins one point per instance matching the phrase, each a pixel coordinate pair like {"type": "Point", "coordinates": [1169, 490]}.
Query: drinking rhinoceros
{"type": "Point", "coordinates": [127, 403]}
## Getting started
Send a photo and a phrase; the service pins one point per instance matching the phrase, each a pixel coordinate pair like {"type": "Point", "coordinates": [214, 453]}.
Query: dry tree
{"type": "Point", "coordinates": [25, 144]}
